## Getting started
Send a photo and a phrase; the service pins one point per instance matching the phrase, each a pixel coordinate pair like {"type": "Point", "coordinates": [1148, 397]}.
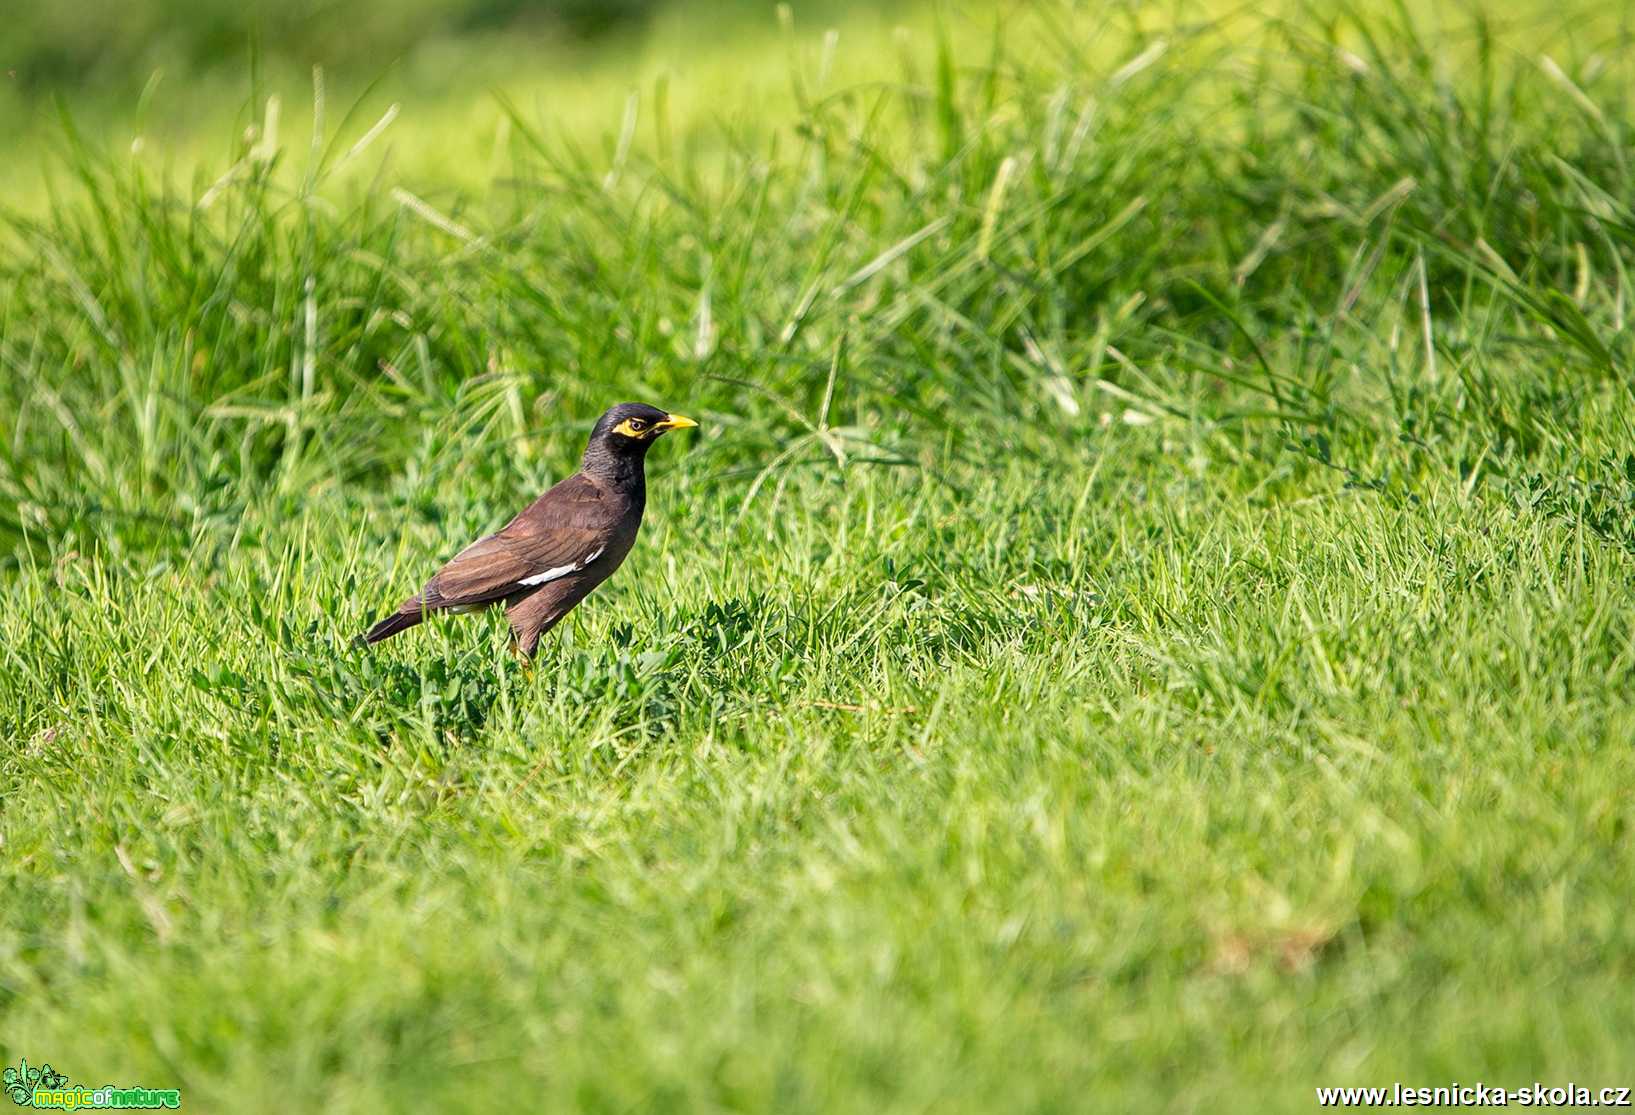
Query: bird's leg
{"type": "Point", "coordinates": [523, 656]}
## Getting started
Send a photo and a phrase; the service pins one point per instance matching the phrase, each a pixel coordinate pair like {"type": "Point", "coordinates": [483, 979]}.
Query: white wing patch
{"type": "Point", "coordinates": [548, 575]}
{"type": "Point", "coordinates": [558, 572]}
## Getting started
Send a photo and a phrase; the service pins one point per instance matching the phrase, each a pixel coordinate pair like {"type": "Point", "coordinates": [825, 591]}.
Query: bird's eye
{"type": "Point", "coordinates": [637, 425]}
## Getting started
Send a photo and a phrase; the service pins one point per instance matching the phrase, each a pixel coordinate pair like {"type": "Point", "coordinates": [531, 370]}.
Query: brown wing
{"type": "Point", "coordinates": [565, 530]}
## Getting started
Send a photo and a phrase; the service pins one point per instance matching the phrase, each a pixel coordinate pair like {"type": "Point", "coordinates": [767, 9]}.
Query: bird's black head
{"type": "Point", "coordinates": [621, 438]}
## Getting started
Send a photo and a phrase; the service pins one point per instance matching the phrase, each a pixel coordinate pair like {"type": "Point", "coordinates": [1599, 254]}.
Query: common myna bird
{"type": "Point", "coordinates": [568, 541]}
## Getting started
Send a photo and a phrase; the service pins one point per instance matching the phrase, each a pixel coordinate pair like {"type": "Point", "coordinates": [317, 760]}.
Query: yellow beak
{"type": "Point", "coordinates": [675, 422]}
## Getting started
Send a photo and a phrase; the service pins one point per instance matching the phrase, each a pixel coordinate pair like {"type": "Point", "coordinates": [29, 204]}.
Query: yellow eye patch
{"type": "Point", "coordinates": [632, 427]}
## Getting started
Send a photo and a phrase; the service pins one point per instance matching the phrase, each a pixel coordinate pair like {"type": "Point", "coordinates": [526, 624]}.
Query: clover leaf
{"type": "Point", "coordinates": [19, 1083]}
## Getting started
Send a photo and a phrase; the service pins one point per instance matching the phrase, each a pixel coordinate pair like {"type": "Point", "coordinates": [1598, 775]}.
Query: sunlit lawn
{"type": "Point", "coordinates": [1144, 626]}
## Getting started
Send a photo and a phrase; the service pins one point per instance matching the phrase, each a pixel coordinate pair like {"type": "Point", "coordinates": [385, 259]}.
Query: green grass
{"type": "Point", "coordinates": [1145, 625]}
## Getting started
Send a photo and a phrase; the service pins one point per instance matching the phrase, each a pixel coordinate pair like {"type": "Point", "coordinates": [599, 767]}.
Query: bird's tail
{"type": "Point", "coordinates": [400, 620]}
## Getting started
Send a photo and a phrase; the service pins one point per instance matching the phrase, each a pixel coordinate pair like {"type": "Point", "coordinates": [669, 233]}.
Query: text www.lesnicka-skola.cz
{"type": "Point", "coordinates": [1474, 1095]}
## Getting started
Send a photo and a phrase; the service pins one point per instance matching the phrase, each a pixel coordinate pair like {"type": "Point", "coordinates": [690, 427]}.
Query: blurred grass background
{"type": "Point", "coordinates": [174, 79]}
{"type": "Point", "coordinates": [101, 44]}
{"type": "Point", "coordinates": [1144, 624]}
